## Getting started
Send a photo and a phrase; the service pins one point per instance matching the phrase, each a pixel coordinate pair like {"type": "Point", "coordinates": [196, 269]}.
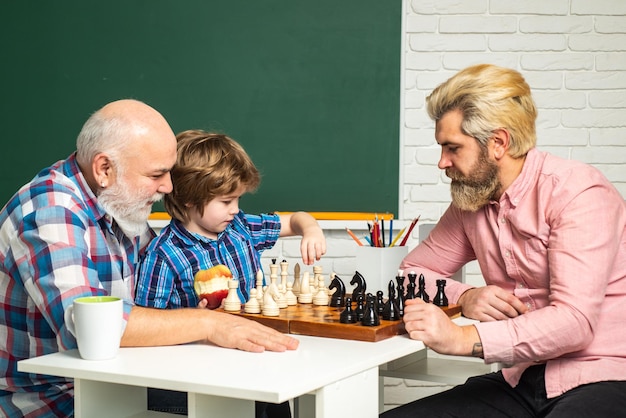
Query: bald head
{"type": "Point", "coordinates": [122, 127]}
{"type": "Point", "coordinates": [124, 136]}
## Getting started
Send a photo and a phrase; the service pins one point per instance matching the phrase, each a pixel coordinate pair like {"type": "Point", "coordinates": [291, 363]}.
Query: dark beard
{"type": "Point", "coordinates": [478, 188]}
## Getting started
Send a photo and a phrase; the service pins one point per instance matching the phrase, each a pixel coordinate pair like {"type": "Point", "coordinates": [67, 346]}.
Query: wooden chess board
{"type": "Point", "coordinates": [323, 321]}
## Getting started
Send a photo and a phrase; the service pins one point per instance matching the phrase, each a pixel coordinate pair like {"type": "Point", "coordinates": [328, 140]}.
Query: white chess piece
{"type": "Point", "coordinates": [321, 297]}
{"type": "Point", "coordinates": [305, 290]}
{"type": "Point", "coordinates": [292, 299]}
{"type": "Point", "coordinates": [252, 306]}
{"type": "Point", "coordinates": [282, 299]}
{"type": "Point", "coordinates": [232, 302]}
{"type": "Point", "coordinates": [283, 275]}
{"type": "Point", "coordinates": [274, 272]}
{"type": "Point", "coordinates": [270, 307]}
{"type": "Point", "coordinates": [259, 287]}
{"type": "Point", "coordinates": [296, 279]}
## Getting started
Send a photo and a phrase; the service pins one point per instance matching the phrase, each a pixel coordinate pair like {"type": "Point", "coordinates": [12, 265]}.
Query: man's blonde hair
{"type": "Point", "coordinates": [490, 98]}
{"type": "Point", "coordinates": [207, 165]}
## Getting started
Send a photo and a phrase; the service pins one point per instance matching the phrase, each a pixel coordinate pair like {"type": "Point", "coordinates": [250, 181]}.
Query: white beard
{"type": "Point", "coordinates": [129, 210]}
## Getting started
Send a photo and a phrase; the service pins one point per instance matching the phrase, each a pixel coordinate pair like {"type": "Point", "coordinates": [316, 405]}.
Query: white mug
{"type": "Point", "coordinates": [97, 323]}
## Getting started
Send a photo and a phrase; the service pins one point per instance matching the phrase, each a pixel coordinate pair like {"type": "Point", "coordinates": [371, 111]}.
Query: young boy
{"type": "Point", "coordinates": [211, 173]}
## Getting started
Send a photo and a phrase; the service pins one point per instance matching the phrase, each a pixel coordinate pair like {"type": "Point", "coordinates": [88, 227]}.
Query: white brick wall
{"type": "Point", "coordinates": [573, 55]}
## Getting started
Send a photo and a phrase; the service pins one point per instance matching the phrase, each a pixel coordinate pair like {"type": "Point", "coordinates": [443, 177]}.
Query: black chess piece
{"type": "Point", "coordinates": [360, 287]}
{"type": "Point", "coordinates": [360, 307]}
{"type": "Point", "coordinates": [370, 315]}
{"type": "Point", "coordinates": [400, 300]}
{"type": "Point", "coordinates": [440, 298]}
{"type": "Point", "coordinates": [380, 302]}
{"type": "Point", "coordinates": [337, 299]}
{"type": "Point", "coordinates": [421, 292]}
{"type": "Point", "coordinates": [348, 316]}
{"type": "Point", "coordinates": [400, 283]}
{"type": "Point", "coordinates": [410, 287]}
{"type": "Point", "coordinates": [390, 312]}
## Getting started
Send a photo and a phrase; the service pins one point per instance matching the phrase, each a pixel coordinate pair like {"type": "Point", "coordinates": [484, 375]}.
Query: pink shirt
{"type": "Point", "coordinates": [557, 241]}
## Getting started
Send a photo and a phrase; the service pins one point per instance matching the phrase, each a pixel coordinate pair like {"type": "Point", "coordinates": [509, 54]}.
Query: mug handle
{"type": "Point", "coordinates": [69, 320]}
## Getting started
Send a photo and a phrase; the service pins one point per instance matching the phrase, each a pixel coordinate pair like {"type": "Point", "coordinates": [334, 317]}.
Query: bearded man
{"type": "Point", "coordinates": [549, 235]}
{"type": "Point", "coordinates": [78, 229]}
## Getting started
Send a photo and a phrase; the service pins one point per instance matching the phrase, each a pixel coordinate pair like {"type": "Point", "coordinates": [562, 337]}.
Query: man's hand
{"type": "Point", "coordinates": [431, 325]}
{"type": "Point", "coordinates": [490, 303]}
{"type": "Point", "coordinates": [232, 331]}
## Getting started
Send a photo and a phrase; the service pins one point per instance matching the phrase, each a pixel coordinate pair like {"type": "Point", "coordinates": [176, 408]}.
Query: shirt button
{"type": "Point", "coordinates": [507, 254]}
{"type": "Point", "coordinates": [529, 305]}
{"type": "Point", "coordinates": [502, 220]}
{"type": "Point", "coordinates": [520, 285]}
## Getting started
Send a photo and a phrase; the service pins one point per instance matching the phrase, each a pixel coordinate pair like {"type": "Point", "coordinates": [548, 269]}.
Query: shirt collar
{"type": "Point", "coordinates": [72, 171]}
{"type": "Point", "coordinates": [527, 177]}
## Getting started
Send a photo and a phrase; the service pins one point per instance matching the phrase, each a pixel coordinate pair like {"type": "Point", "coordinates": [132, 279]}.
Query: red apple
{"type": "Point", "coordinates": [212, 284]}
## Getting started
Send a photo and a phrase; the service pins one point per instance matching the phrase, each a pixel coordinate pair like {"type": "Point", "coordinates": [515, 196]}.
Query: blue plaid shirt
{"type": "Point", "coordinates": [165, 278]}
{"type": "Point", "coordinates": [56, 244]}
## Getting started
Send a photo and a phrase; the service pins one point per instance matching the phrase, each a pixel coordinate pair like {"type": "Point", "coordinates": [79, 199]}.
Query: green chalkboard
{"type": "Point", "coordinates": [310, 88]}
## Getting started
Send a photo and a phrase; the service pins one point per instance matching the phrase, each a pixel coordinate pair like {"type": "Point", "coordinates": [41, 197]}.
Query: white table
{"type": "Point", "coordinates": [341, 374]}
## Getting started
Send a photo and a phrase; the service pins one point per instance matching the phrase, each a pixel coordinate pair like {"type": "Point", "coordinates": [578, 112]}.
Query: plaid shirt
{"type": "Point", "coordinates": [56, 244]}
{"type": "Point", "coordinates": [165, 278]}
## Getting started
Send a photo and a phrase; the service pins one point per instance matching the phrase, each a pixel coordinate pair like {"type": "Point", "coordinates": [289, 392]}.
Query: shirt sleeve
{"type": "Point", "coordinates": [53, 259]}
{"type": "Point", "coordinates": [264, 230]}
{"type": "Point", "coordinates": [440, 255]}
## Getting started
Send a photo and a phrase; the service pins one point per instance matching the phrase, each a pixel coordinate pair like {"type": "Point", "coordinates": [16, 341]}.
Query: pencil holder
{"type": "Point", "coordinates": [379, 265]}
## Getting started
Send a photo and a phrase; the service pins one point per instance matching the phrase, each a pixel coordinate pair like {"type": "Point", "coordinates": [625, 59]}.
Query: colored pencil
{"type": "Point", "coordinates": [408, 233]}
{"type": "Point", "coordinates": [397, 237]}
{"type": "Point", "coordinates": [354, 237]}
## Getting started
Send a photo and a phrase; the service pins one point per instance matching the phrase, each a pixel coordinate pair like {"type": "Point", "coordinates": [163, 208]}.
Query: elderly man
{"type": "Point", "coordinates": [78, 229]}
{"type": "Point", "coordinates": [550, 237]}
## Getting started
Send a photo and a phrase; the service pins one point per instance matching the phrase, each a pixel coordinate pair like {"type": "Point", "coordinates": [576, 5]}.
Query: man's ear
{"type": "Point", "coordinates": [102, 170]}
{"type": "Point", "coordinates": [501, 141]}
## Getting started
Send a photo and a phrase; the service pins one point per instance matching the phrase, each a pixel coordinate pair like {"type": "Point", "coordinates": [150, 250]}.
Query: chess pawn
{"type": "Point", "coordinates": [421, 292]}
{"type": "Point", "coordinates": [317, 272]}
{"type": "Point", "coordinates": [296, 279]}
{"type": "Point", "coordinates": [305, 290]}
{"type": "Point", "coordinates": [440, 298]}
{"type": "Point", "coordinates": [232, 302]}
{"type": "Point", "coordinates": [321, 297]}
{"type": "Point", "coordinates": [292, 299]}
{"type": "Point", "coordinates": [380, 302]}
{"type": "Point", "coordinates": [370, 315]}
{"type": "Point", "coordinates": [348, 316]}
{"type": "Point", "coordinates": [252, 306]}
{"type": "Point", "coordinates": [270, 307]}
{"type": "Point", "coordinates": [360, 307]}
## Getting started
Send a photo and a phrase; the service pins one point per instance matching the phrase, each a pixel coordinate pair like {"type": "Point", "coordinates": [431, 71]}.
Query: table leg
{"type": "Point", "coordinates": [355, 396]}
{"type": "Point", "coordinates": [99, 399]}
{"type": "Point", "coordinates": [200, 405]}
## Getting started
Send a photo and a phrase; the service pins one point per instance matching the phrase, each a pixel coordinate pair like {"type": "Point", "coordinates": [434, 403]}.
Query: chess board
{"type": "Point", "coordinates": [323, 321]}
